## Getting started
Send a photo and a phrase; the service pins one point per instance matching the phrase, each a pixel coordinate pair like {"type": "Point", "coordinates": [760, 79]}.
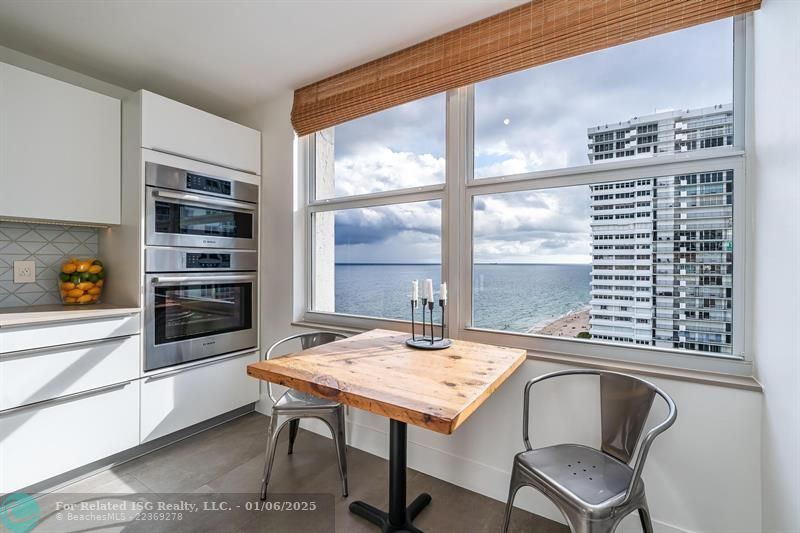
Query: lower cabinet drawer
{"type": "Point", "coordinates": [36, 336]}
{"type": "Point", "coordinates": [42, 441]}
{"type": "Point", "coordinates": [176, 400]}
{"type": "Point", "coordinates": [45, 373]}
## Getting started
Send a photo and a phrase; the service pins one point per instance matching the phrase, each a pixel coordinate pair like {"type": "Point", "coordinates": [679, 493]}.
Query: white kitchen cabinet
{"type": "Point", "coordinates": [176, 400]}
{"type": "Point", "coordinates": [35, 336]}
{"type": "Point", "coordinates": [59, 150]}
{"type": "Point", "coordinates": [175, 128]}
{"type": "Point", "coordinates": [41, 441]}
{"type": "Point", "coordinates": [39, 375]}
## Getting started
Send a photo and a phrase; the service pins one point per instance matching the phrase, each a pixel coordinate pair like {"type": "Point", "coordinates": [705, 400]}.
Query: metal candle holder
{"type": "Point", "coordinates": [427, 342]}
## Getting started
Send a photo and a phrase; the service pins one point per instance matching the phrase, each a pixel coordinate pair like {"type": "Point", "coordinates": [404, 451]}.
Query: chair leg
{"type": "Point", "coordinates": [294, 426]}
{"type": "Point", "coordinates": [340, 440]}
{"type": "Point", "coordinates": [513, 486]}
{"type": "Point", "coordinates": [644, 516]}
{"type": "Point", "coordinates": [272, 442]}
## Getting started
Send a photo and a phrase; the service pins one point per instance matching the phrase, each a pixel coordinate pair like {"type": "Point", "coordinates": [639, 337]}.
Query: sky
{"type": "Point", "coordinates": [526, 121]}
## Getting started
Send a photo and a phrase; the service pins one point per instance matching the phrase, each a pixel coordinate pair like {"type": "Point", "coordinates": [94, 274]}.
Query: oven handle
{"type": "Point", "coordinates": [184, 279]}
{"type": "Point", "coordinates": [203, 200]}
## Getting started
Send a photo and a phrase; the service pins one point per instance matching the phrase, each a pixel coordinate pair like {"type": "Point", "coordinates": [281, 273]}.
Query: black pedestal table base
{"type": "Point", "coordinates": [399, 518]}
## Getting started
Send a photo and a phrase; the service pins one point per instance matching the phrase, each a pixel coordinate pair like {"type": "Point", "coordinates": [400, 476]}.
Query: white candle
{"type": "Point", "coordinates": [443, 291]}
{"type": "Point", "coordinates": [414, 291]}
{"type": "Point", "coordinates": [429, 289]}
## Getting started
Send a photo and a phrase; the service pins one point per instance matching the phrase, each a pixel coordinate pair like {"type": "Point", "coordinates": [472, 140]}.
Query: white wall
{"type": "Point", "coordinates": [703, 474]}
{"type": "Point", "coordinates": [775, 174]}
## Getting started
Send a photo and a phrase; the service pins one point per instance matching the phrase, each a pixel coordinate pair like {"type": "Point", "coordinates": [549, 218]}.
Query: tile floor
{"type": "Point", "coordinates": [229, 459]}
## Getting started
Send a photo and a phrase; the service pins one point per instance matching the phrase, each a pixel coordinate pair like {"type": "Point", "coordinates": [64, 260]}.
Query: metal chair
{"type": "Point", "coordinates": [294, 405]}
{"type": "Point", "coordinates": [595, 489]}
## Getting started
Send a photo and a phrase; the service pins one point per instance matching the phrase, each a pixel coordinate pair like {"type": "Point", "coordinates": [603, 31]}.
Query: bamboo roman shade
{"type": "Point", "coordinates": [532, 34]}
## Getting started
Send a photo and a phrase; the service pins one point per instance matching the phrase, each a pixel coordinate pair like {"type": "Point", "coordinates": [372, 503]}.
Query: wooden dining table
{"type": "Point", "coordinates": [377, 372]}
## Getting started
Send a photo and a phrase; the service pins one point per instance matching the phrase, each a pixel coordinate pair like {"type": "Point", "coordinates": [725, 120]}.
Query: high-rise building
{"type": "Point", "coordinates": [662, 133]}
{"type": "Point", "coordinates": [662, 259]}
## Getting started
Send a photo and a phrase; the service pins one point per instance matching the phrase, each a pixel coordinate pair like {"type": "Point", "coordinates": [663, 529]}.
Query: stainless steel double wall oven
{"type": "Point", "coordinates": [201, 261]}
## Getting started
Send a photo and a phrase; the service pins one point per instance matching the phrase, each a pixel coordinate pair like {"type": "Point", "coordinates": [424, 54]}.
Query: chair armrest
{"type": "Point", "coordinates": [644, 448]}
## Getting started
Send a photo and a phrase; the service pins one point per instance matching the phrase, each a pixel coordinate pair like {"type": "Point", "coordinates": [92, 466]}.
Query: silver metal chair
{"type": "Point", "coordinates": [595, 489]}
{"type": "Point", "coordinates": [294, 405]}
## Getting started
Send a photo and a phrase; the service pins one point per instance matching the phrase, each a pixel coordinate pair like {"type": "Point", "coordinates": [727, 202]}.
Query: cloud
{"type": "Point", "coordinates": [370, 225]}
{"type": "Point", "coordinates": [533, 227]}
{"type": "Point", "coordinates": [377, 168]}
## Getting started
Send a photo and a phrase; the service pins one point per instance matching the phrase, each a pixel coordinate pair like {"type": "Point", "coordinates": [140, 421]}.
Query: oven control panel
{"type": "Point", "coordinates": [158, 259]}
{"type": "Point", "coordinates": [197, 182]}
{"type": "Point", "coordinates": [210, 261]}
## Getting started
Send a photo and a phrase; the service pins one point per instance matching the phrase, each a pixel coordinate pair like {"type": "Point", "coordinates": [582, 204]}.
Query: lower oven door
{"type": "Point", "coordinates": [195, 316]}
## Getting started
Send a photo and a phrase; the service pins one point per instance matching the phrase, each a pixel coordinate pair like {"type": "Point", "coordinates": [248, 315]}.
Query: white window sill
{"type": "Point", "coordinates": [704, 377]}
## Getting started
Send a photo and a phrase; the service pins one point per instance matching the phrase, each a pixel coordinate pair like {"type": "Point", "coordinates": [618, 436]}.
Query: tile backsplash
{"type": "Point", "coordinates": [47, 245]}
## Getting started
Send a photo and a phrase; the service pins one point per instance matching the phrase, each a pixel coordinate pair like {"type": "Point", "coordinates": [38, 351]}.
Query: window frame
{"type": "Point", "coordinates": [460, 188]}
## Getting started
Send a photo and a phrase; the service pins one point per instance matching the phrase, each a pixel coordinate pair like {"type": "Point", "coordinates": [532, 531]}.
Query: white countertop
{"type": "Point", "coordinates": [37, 314]}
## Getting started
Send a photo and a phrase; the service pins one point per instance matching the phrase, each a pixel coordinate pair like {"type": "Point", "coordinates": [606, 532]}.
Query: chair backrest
{"type": "Point", "coordinates": [625, 403]}
{"type": "Point", "coordinates": [307, 340]}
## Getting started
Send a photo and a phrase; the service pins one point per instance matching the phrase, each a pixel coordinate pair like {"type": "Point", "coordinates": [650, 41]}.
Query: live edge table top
{"type": "Point", "coordinates": [376, 371]}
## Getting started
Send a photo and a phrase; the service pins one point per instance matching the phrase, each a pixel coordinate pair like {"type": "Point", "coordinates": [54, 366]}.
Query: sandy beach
{"type": "Point", "coordinates": [566, 326]}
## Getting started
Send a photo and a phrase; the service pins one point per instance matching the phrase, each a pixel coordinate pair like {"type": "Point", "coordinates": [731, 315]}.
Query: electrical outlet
{"type": "Point", "coordinates": [24, 271]}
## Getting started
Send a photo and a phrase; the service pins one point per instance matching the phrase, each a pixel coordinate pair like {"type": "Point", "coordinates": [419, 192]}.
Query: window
{"type": "Point", "coordinates": [597, 210]}
{"type": "Point", "coordinates": [535, 261]}
{"type": "Point", "coordinates": [395, 149]}
{"type": "Point", "coordinates": [655, 92]}
{"type": "Point", "coordinates": [364, 253]}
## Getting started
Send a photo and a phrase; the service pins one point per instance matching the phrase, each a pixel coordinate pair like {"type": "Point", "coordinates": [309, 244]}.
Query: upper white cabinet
{"type": "Point", "coordinates": [175, 128]}
{"type": "Point", "coordinates": [59, 150]}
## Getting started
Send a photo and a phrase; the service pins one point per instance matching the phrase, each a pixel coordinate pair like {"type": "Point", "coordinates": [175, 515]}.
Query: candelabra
{"type": "Point", "coordinates": [428, 341]}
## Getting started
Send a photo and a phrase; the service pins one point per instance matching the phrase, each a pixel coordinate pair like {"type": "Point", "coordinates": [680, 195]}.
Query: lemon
{"type": "Point", "coordinates": [83, 266]}
{"type": "Point", "coordinates": [68, 268]}
{"type": "Point", "coordinates": [94, 269]}
{"type": "Point", "coordinates": [85, 299]}
{"type": "Point", "coordinates": [67, 285]}
{"type": "Point", "coordinates": [100, 283]}
{"type": "Point", "coordinates": [85, 286]}
{"type": "Point", "coordinates": [95, 290]}
{"type": "Point", "coordinates": [69, 300]}
{"type": "Point", "coordinates": [75, 293]}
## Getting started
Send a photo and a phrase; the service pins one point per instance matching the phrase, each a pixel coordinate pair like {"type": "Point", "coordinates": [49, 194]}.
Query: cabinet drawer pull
{"type": "Point", "coordinates": [187, 368]}
{"type": "Point", "coordinates": [41, 350]}
{"type": "Point", "coordinates": [65, 398]}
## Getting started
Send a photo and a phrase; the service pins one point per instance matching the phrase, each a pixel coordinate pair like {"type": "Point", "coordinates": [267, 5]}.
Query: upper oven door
{"type": "Point", "coordinates": [185, 219]}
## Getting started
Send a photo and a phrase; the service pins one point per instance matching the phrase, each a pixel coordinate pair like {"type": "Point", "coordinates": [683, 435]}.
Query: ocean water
{"type": "Point", "coordinates": [505, 297]}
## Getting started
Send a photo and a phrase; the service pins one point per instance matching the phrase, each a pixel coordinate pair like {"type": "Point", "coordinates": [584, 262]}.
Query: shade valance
{"type": "Point", "coordinates": [532, 34]}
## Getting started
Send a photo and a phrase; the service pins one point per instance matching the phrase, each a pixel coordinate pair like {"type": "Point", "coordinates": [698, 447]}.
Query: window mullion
{"type": "Point", "coordinates": [434, 192]}
{"type": "Point", "coordinates": [455, 266]}
{"type": "Point", "coordinates": [587, 175]}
